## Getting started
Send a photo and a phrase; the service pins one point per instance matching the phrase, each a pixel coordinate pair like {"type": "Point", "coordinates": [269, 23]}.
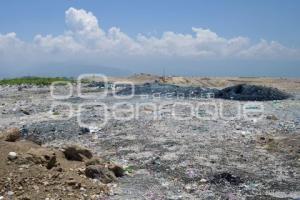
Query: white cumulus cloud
{"type": "Point", "coordinates": [85, 39]}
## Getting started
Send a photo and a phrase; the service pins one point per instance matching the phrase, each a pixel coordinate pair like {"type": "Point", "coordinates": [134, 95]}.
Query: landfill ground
{"type": "Point", "coordinates": [199, 156]}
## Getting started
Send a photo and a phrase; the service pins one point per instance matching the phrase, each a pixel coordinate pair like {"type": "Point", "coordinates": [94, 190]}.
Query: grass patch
{"type": "Point", "coordinates": [33, 80]}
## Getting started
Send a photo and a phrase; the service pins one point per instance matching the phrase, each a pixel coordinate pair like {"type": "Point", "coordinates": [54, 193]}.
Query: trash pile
{"type": "Point", "coordinates": [42, 132]}
{"type": "Point", "coordinates": [167, 90]}
{"type": "Point", "coordinates": [241, 92]}
{"type": "Point", "coordinates": [245, 92]}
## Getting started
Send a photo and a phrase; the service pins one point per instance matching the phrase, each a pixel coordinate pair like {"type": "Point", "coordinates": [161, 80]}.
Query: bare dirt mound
{"type": "Point", "coordinates": [30, 171]}
{"type": "Point", "coordinates": [245, 92]}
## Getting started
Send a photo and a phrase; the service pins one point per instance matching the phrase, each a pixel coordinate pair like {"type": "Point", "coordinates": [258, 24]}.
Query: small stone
{"type": "Point", "coordinates": [25, 112]}
{"type": "Point", "coordinates": [24, 166]}
{"type": "Point", "coordinates": [35, 187]}
{"type": "Point", "coordinates": [12, 156]}
{"type": "Point", "coordinates": [46, 183]}
{"type": "Point", "coordinates": [10, 193]}
{"type": "Point", "coordinates": [189, 188]}
{"type": "Point", "coordinates": [95, 196]}
{"type": "Point", "coordinates": [203, 180]}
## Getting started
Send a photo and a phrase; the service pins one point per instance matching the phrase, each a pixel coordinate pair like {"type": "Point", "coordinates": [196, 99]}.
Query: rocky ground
{"type": "Point", "coordinates": [163, 157]}
{"type": "Point", "coordinates": [29, 171]}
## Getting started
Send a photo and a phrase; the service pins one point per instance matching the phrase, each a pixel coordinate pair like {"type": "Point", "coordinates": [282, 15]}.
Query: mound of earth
{"type": "Point", "coordinates": [244, 92]}
{"type": "Point", "coordinates": [31, 171]}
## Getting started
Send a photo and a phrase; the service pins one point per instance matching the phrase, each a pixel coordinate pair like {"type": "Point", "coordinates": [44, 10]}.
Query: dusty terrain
{"type": "Point", "coordinates": [30, 177]}
{"type": "Point", "coordinates": [167, 158]}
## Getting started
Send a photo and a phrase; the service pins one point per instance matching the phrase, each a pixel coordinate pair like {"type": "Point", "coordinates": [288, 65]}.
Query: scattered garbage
{"type": "Point", "coordinates": [96, 84]}
{"type": "Point", "coordinates": [182, 158]}
{"type": "Point", "coordinates": [242, 92]}
{"type": "Point", "coordinates": [287, 126]}
{"type": "Point", "coordinates": [271, 117]}
{"type": "Point", "coordinates": [42, 132]}
{"type": "Point", "coordinates": [169, 90]}
{"type": "Point", "coordinates": [84, 130]}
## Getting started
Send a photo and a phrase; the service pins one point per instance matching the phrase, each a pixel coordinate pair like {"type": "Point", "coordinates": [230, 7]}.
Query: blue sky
{"type": "Point", "coordinates": [271, 20]}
